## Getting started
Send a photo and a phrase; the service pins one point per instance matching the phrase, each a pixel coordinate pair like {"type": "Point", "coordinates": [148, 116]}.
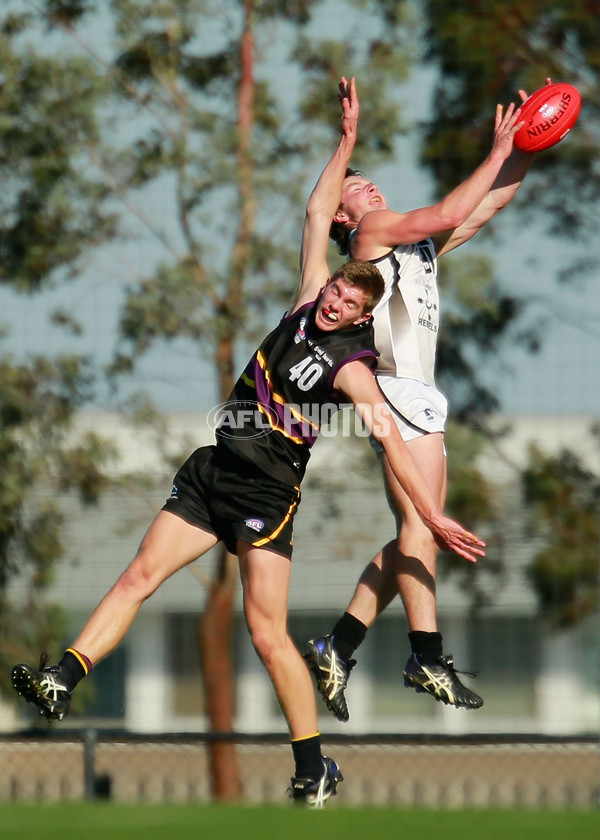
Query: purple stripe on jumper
{"type": "Point", "coordinates": [362, 354]}
{"type": "Point", "coordinates": [285, 418]}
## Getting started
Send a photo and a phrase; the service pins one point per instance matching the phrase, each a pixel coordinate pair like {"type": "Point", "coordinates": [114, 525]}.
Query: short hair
{"type": "Point", "coordinates": [339, 231]}
{"type": "Point", "coordinates": [365, 276]}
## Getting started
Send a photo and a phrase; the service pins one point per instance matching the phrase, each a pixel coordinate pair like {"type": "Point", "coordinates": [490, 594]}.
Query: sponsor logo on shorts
{"type": "Point", "coordinates": [175, 492]}
{"type": "Point", "coordinates": [429, 415]}
{"type": "Point", "coordinates": [255, 524]}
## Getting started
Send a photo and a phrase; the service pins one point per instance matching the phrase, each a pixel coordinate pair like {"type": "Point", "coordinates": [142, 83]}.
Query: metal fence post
{"type": "Point", "coordinates": [89, 763]}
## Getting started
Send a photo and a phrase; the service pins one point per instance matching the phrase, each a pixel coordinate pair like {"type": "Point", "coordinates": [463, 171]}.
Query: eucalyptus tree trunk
{"type": "Point", "coordinates": [216, 625]}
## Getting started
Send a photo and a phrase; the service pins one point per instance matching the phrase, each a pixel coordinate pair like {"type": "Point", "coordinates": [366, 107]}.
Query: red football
{"type": "Point", "coordinates": [549, 114]}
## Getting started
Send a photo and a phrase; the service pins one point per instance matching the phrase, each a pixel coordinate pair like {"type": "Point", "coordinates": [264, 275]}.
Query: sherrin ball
{"type": "Point", "coordinates": [549, 114]}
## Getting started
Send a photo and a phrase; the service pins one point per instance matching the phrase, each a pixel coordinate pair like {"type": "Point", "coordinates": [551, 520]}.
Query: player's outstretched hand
{"type": "Point", "coordinates": [452, 536]}
{"type": "Point", "coordinates": [350, 107]}
{"type": "Point", "coordinates": [506, 125]}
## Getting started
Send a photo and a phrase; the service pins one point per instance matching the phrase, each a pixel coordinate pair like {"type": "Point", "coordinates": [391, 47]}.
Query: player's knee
{"type": "Point", "coordinates": [418, 536]}
{"type": "Point", "coordinates": [264, 648]}
{"type": "Point", "coordinates": [266, 640]}
{"type": "Point", "coordinates": [137, 581]}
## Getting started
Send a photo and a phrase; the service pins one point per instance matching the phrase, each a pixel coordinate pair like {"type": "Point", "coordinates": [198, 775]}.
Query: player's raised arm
{"type": "Point", "coordinates": [324, 200]}
{"type": "Point", "coordinates": [384, 229]}
{"type": "Point", "coordinates": [358, 383]}
{"type": "Point", "coordinates": [502, 191]}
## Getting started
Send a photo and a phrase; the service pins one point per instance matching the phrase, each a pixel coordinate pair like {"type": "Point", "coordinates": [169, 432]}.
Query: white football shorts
{"type": "Point", "coordinates": [418, 409]}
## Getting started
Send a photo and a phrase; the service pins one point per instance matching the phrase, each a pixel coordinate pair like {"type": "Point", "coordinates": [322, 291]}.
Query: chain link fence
{"type": "Point", "coordinates": [402, 771]}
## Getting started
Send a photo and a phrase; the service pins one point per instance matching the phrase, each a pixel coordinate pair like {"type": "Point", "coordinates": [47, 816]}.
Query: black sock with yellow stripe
{"type": "Point", "coordinates": [74, 666]}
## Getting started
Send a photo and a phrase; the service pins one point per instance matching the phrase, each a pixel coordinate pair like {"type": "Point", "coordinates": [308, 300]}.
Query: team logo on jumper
{"type": "Point", "coordinates": [428, 314]}
{"type": "Point", "coordinates": [301, 331]}
{"type": "Point", "coordinates": [255, 524]}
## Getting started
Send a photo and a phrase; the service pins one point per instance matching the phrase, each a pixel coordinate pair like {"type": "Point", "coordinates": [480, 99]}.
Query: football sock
{"type": "Point", "coordinates": [427, 646]}
{"type": "Point", "coordinates": [308, 758]}
{"type": "Point", "coordinates": [74, 666]}
{"type": "Point", "coordinates": [347, 635]}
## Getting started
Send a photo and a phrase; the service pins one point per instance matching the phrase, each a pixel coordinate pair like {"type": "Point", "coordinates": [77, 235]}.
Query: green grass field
{"type": "Point", "coordinates": [169, 822]}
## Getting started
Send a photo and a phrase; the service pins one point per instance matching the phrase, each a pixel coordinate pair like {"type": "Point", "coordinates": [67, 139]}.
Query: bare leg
{"type": "Point", "coordinates": [417, 549]}
{"type": "Point", "coordinates": [265, 578]}
{"type": "Point", "coordinates": [169, 545]}
{"type": "Point", "coordinates": [408, 566]}
{"type": "Point", "coordinates": [377, 586]}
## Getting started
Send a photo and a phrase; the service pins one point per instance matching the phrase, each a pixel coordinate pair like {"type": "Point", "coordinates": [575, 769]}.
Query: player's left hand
{"type": "Point", "coordinates": [452, 536]}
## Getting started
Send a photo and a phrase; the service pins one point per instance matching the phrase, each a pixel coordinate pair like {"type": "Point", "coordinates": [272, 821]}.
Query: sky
{"type": "Point", "coordinates": [560, 379]}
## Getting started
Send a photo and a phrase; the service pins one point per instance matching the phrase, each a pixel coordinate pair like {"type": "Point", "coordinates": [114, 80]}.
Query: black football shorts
{"type": "Point", "coordinates": [235, 501]}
